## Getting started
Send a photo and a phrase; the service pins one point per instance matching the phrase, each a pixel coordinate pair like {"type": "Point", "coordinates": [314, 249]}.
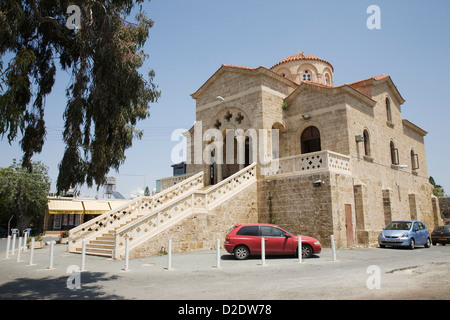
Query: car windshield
{"type": "Point", "coordinates": [398, 225]}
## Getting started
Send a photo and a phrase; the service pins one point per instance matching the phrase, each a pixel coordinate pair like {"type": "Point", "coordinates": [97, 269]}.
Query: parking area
{"type": "Point", "coordinates": [358, 273]}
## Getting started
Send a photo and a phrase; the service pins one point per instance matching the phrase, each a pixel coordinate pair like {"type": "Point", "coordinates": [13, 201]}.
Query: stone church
{"type": "Point", "coordinates": [347, 162]}
{"type": "Point", "coordinates": [283, 145]}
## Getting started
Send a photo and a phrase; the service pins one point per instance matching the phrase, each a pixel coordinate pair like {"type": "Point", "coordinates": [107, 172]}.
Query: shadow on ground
{"type": "Point", "coordinates": [55, 288]}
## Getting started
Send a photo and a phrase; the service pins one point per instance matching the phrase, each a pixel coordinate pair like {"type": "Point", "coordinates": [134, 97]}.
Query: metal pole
{"type": "Point", "coordinates": [25, 241]}
{"type": "Point", "coordinates": [300, 251]}
{"type": "Point", "coordinates": [127, 253]}
{"type": "Point", "coordinates": [333, 249]}
{"type": "Point", "coordinates": [169, 256]}
{"type": "Point", "coordinates": [218, 254]}
{"type": "Point", "coordinates": [30, 262]}
{"type": "Point", "coordinates": [83, 255]}
{"type": "Point", "coordinates": [263, 250]}
{"type": "Point", "coordinates": [50, 266]}
{"type": "Point", "coordinates": [8, 243]}
{"type": "Point", "coordinates": [19, 249]}
{"type": "Point", "coordinates": [13, 244]}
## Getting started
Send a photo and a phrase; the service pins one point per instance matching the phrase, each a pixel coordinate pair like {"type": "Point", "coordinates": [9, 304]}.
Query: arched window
{"type": "Point", "coordinates": [388, 110]}
{"type": "Point", "coordinates": [306, 76]}
{"type": "Point", "coordinates": [414, 160]}
{"type": "Point", "coordinates": [394, 154]}
{"type": "Point", "coordinates": [366, 143]}
{"type": "Point", "coordinates": [310, 140]}
{"type": "Point", "coordinates": [327, 80]}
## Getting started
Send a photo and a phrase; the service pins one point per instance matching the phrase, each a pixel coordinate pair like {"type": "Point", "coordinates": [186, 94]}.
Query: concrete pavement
{"type": "Point", "coordinates": [395, 274]}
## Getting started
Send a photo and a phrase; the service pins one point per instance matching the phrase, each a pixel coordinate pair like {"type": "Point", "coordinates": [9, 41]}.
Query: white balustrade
{"type": "Point", "coordinates": [171, 212]}
{"type": "Point", "coordinates": [313, 162]}
{"type": "Point", "coordinates": [125, 214]}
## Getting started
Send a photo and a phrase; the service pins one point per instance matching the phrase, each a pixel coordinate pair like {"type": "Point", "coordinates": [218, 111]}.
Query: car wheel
{"type": "Point", "coordinates": [307, 251]}
{"type": "Point", "coordinates": [412, 244]}
{"type": "Point", "coordinates": [428, 244]}
{"type": "Point", "coordinates": [241, 252]}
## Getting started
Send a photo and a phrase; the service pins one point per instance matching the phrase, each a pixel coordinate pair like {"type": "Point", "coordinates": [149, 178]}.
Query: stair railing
{"type": "Point", "coordinates": [126, 213]}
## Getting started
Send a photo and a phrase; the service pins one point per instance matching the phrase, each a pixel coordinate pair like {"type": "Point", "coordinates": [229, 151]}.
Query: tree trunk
{"type": "Point", "coordinates": [23, 222]}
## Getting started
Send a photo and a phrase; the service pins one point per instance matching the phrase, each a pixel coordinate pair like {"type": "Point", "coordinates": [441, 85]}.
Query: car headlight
{"type": "Point", "coordinates": [405, 235]}
{"type": "Point", "coordinates": [317, 242]}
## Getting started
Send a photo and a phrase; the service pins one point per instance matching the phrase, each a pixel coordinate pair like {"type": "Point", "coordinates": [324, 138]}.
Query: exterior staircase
{"type": "Point", "coordinates": [144, 218]}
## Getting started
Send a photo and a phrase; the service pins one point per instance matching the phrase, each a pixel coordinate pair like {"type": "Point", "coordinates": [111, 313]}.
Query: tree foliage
{"type": "Point", "coordinates": [23, 193]}
{"type": "Point", "coordinates": [438, 190]}
{"type": "Point", "coordinates": [107, 95]}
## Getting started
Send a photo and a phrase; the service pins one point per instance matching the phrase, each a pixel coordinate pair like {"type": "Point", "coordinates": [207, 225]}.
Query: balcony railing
{"type": "Point", "coordinates": [310, 163]}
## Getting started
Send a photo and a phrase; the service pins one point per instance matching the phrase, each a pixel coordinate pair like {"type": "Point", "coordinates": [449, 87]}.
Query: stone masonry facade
{"type": "Point", "coordinates": [385, 176]}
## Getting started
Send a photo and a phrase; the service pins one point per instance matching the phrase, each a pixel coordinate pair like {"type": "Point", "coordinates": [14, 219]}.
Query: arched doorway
{"type": "Point", "coordinates": [310, 140]}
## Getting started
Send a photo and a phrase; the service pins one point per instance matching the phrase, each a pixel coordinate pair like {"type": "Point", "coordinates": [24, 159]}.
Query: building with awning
{"type": "Point", "coordinates": [96, 207]}
{"type": "Point", "coordinates": [66, 213]}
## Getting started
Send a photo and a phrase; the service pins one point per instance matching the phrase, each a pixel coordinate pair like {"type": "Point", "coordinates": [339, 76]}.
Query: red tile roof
{"type": "Point", "coordinates": [302, 56]}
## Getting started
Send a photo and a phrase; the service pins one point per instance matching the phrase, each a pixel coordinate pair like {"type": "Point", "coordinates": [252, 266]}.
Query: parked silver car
{"type": "Point", "coordinates": [405, 233]}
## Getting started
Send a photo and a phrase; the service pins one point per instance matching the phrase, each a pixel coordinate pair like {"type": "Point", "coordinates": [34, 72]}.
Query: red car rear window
{"type": "Point", "coordinates": [248, 231]}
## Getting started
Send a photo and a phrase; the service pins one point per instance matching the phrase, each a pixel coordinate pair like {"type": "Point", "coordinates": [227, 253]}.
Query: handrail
{"type": "Point", "coordinates": [110, 219]}
{"type": "Point", "coordinates": [163, 217]}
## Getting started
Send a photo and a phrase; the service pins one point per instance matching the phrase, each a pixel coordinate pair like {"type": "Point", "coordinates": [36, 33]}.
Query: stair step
{"type": "Point", "coordinates": [97, 251]}
{"type": "Point", "coordinates": [100, 246]}
{"type": "Point", "coordinates": [102, 241]}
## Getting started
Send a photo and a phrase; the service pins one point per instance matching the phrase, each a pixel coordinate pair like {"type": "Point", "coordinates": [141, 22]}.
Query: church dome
{"type": "Point", "coordinates": [304, 67]}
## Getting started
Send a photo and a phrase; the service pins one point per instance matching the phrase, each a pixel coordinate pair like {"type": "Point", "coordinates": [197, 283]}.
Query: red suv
{"type": "Point", "coordinates": [245, 240]}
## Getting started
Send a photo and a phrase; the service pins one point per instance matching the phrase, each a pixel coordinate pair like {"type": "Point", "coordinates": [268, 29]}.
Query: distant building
{"type": "Point", "coordinates": [64, 213]}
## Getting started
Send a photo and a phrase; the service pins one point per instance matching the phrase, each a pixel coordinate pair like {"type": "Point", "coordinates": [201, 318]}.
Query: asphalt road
{"type": "Point", "coordinates": [359, 273]}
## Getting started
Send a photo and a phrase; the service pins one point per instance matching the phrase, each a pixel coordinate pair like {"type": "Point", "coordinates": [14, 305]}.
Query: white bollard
{"type": "Point", "coordinates": [263, 251]}
{"type": "Point", "coordinates": [50, 265]}
{"type": "Point", "coordinates": [83, 255]}
{"type": "Point", "coordinates": [333, 249]}
{"type": "Point", "coordinates": [169, 256]}
{"type": "Point", "coordinates": [13, 244]}
{"type": "Point", "coordinates": [218, 254]}
{"type": "Point", "coordinates": [8, 244]}
{"type": "Point", "coordinates": [300, 253]}
{"type": "Point", "coordinates": [30, 262]}
{"type": "Point", "coordinates": [19, 249]}
{"type": "Point", "coordinates": [127, 253]}
{"type": "Point", "coordinates": [25, 237]}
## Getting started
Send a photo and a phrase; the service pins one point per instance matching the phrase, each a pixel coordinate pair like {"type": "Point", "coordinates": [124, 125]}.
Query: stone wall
{"type": "Point", "coordinates": [295, 205]}
{"type": "Point", "coordinates": [200, 231]}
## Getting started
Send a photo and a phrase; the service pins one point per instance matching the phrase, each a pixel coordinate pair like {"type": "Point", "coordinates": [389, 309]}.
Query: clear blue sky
{"type": "Point", "coordinates": [192, 39]}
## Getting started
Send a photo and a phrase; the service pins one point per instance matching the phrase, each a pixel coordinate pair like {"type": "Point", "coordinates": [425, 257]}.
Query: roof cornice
{"type": "Point", "coordinates": [332, 90]}
{"type": "Point", "coordinates": [246, 70]}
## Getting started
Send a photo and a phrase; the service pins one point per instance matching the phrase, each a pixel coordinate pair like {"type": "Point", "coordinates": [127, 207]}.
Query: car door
{"type": "Point", "coordinates": [418, 233]}
{"type": "Point", "coordinates": [276, 241]}
{"type": "Point", "coordinates": [249, 236]}
{"type": "Point", "coordinates": [425, 232]}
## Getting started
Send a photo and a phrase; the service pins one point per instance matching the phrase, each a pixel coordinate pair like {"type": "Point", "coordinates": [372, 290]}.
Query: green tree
{"type": "Point", "coordinates": [107, 94]}
{"type": "Point", "coordinates": [23, 193]}
{"type": "Point", "coordinates": [147, 192]}
{"type": "Point", "coordinates": [438, 190]}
